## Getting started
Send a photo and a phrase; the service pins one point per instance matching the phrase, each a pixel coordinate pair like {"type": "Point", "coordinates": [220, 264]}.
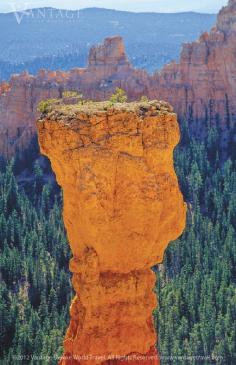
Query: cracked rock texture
{"type": "Point", "coordinates": [122, 206]}
{"type": "Point", "coordinates": [201, 87]}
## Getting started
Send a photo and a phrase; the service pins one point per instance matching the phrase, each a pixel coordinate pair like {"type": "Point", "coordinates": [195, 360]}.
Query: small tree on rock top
{"type": "Point", "coordinates": [119, 96]}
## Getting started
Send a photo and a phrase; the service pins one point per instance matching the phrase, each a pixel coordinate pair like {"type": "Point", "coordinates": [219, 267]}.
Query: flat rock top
{"type": "Point", "coordinates": [62, 110]}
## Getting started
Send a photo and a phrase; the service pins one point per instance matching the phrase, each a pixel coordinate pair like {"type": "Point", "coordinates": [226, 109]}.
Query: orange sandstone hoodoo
{"type": "Point", "coordinates": [122, 206]}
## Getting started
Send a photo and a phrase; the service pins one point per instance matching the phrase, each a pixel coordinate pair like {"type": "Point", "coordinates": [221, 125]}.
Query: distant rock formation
{"type": "Point", "coordinates": [201, 87]}
{"type": "Point", "coordinates": [122, 207]}
{"type": "Point", "coordinates": [18, 109]}
{"type": "Point", "coordinates": [105, 54]}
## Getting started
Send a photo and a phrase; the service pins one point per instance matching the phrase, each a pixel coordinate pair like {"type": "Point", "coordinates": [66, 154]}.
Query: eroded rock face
{"type": "Point", "coordinates": [18, 109]}
{"type": "Point", "coordinates": [201, 88]}
{"type": "Point", "coordinates": [227, 18]}
{"type": "Point", "coordinates": [105, 54]}
{"type": "Point", "coordinates": [122, 206]}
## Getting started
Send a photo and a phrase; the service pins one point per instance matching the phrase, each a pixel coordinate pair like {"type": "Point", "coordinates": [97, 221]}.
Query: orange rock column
{"type": "Point", "coordinates": [122, 206]}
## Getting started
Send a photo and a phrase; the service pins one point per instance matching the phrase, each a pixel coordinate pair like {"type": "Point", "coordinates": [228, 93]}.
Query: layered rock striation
{"type": "Point", "coordinates": [201, 87]}
{"type": "Point", "coordinates": [122, 206]}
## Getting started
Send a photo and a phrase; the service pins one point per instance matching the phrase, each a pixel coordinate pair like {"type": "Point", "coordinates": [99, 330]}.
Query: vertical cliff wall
{"type": "Point", "coordinates": [122, 206]}
{"type": "Point", "coordinates": [202, 87]}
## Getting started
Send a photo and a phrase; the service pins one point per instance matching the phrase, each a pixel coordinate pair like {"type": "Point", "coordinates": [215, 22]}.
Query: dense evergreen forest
{"type": "Point", "coordinates": [35, 290]}
{"type": "Point", "coordinates": [196, 283]}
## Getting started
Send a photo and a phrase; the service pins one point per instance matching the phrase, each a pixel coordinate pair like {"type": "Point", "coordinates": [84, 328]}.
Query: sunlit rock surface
{"type": "Point", "coordinates": [122, 206]}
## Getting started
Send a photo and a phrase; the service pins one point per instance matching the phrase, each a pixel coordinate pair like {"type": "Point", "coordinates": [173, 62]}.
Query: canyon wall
{"type": "Point", "coordinates": [201, 87]}
{"type": "Point", "coordinates": [122, 206]}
